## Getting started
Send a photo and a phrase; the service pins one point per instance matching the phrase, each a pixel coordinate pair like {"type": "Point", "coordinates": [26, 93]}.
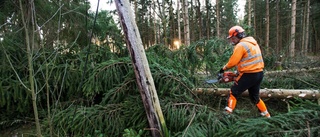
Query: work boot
{"type": "Point", "coordinates": [232, 102]}
{"type": "Point", "coordinates": [263, 109]}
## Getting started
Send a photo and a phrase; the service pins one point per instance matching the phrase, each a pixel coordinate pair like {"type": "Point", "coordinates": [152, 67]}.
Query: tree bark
{"type": "Point", "coordinates": [265, 93]}
{"type": "Point", "coordinates": [142, 71]}
{"type": "Point", "coordinates": [186, 23]}
{"type": "Point", "coordinates": [218, 18]}
{"type": "Point", "coordinates": [249, 13]}
{"type": "Point", "coordinates": [178, 20]}
{"type": "Point", "coordinates": [278, 27]}
{"type": "Point", "coordinates": [293, 29]}
{"type": "Point", "coordinates": [267, 27]}
{"type": "Point", "coordinates": [199, 19]}
{"type": "Point", "coordinates": [254, 19]}
{"type": "Point", "coordinates": [207, 19]}
{"type": "Point", "coordinates": [155, 28]}
{"type": "Point", "coordinates": [293, 70]}
{"type": "Point", "coordinates": [307, 28]}
{"type": "Point", "coordinates": [30, 66]}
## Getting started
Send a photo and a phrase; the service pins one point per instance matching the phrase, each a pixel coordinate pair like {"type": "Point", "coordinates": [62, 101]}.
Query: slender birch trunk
{"type": "Point", "coordinates": [30, 70]}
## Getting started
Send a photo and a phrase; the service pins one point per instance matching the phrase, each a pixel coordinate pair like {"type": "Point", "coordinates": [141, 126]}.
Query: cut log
{"type": "Point", "coordinates": [265, 93]}
{"type": "Point", "coordinates": [292, 70]}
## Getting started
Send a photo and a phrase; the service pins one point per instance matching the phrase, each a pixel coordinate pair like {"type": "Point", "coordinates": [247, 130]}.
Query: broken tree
{"type": "Point", "coordinates": [142, 71]}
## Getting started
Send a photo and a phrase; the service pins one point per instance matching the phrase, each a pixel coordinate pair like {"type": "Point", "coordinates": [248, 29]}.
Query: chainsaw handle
{"type": "Point", "coordinates": [220, 75]}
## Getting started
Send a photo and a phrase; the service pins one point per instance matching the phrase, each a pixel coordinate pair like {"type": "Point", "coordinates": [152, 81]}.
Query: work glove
{"type": "Point", "coordinates": [220, 73]}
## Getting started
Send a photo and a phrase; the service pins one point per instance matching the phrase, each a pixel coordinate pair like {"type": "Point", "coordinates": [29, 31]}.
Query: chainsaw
{"type": "Point", "coordinates": [226, 77]}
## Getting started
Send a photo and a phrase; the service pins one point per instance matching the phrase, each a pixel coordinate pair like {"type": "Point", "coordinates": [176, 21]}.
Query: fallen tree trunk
{"type": "Point", "coordinates": [265, 93]}
{"type": "Point", "coordinates": [292, 70]}
{"type": "Point", "coordinates": [206, 74]}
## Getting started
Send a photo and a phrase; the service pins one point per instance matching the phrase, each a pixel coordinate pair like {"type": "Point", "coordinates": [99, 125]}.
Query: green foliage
{"type": "Point", "coordinates": [75, 120]}
{"type": "Point", "coordinates": [111, 78]}
{"type": "Point", "coordinates": [132, 133]}
{"type": "Point", "coordinates": [303, 120]}
{"type": "Point", "coordinates": [103, 100]}
{"type": "Point", "coordinates": [216, 53]}
{"type": "Point", "coordinates": [114, 103]}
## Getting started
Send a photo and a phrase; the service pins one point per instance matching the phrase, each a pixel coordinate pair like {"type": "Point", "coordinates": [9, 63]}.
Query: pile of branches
{"type": "Point", "coordinates": [109, 104]}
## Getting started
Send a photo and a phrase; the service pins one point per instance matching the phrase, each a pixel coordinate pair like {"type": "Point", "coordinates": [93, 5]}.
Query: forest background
{"type": "Point", "coordinates": [66, 70]}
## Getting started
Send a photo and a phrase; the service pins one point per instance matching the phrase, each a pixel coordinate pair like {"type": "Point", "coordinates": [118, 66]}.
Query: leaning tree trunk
{"type": "Point", "coordinates": [142, 71]}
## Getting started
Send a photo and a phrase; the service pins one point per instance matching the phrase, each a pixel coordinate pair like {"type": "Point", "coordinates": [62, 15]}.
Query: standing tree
{"type": "Point", "coordinates": [293, 28]}
{"type": "Point", "coordinates": [255, 18]}
{"type": "Point", "coordinates": [208, 9]}
{"type": "Point", "coordinates": [306, 28]}
{"type": "Point", "coordinates": [267, 27]}
{"type": "Point", "coordinates": [218, 18]}
{"type": "Point", "coordinates": [249, 13]}
{"type": "Point", "coordinates": [186, 22]}
{"type": "Point", "coordinates": [178, 20]}
{"type": "Point", "coordinates": [199, 20]}
{"type": "Point", "coordinates": [278, 45]}
{"type": "Point", "coordinates": [29, 37]}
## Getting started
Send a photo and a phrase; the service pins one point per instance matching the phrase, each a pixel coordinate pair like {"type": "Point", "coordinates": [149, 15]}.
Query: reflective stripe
{"type": "Point", "coordinates": [228, 109]}
{"type": "Point", "coordinates": [250, 63]}
{"type": "Point", "coordinates": [250, 56]}
{"type": "Point", "coordinates": [264, 113]}
{"type": "Point", "coordinates": [247, 50]}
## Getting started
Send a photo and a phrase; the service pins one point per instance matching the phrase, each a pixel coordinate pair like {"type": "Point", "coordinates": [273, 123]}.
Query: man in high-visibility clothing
{"type": "Point", "coordinates": [247, 58]}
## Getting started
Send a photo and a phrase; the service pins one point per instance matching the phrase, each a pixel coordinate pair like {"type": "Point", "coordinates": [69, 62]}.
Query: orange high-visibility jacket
{"type": "Point", "coordinates": [246, 56]}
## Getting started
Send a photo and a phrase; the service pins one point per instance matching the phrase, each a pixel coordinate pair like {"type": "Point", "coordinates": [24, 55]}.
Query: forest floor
{"type": "Point", "coordinates": [24, 130]}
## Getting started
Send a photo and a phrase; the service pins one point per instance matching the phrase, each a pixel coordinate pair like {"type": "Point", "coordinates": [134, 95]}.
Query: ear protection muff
{"type": "Point", "coordinates": [240, 34]}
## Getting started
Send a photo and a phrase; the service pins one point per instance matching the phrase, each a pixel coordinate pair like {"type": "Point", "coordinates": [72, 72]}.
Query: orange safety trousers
{"type": "Point", "coordinates": [263, 109]}
{"type": "Point", "coordinates": [232, 101]}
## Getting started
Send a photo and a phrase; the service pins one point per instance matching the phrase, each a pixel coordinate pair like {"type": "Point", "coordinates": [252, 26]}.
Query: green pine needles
{"type": "Point", "coordinates": [109, 104]}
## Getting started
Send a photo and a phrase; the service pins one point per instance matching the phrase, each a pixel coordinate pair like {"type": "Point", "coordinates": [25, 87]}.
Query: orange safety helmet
{"type": "Point", "coordinates": [235, 30]}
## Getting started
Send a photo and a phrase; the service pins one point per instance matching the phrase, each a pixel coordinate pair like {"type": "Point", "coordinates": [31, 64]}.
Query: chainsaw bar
{"type": "Point", "coordinates": [210, 81]}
